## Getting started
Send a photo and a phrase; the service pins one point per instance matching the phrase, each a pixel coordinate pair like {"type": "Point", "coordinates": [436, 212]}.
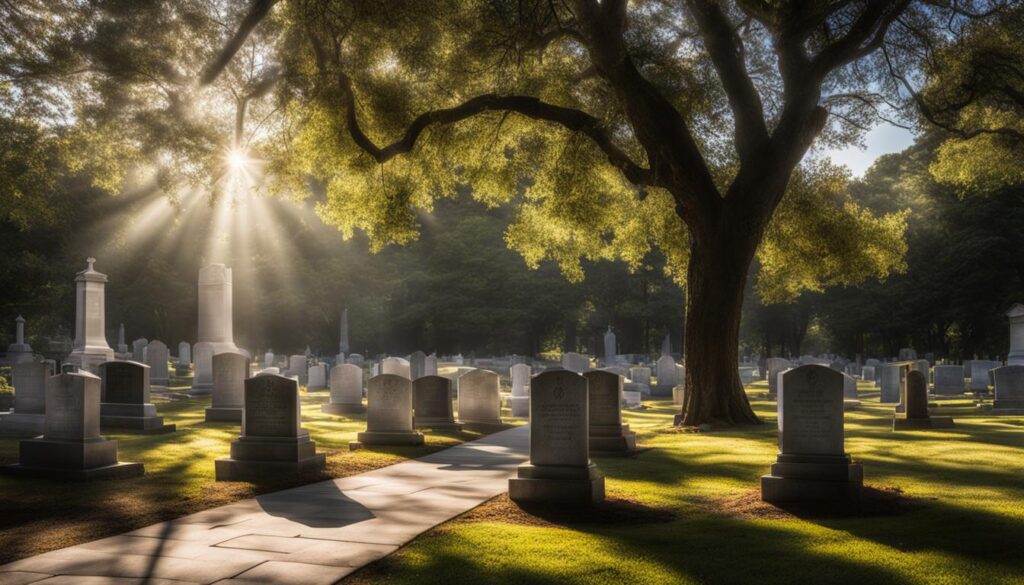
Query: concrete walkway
{"type": "Point", "coordinates": [310, 535]}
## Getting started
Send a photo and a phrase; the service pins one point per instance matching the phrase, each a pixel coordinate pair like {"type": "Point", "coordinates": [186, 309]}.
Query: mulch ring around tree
{"type": "Point", "coordinates": [875, 501]}
{"type": "Point", "coordinates": [613, 510]}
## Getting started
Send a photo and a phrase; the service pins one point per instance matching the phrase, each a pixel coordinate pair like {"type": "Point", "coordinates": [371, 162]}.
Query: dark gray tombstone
{"type": "Point", "coordinates": [432, 403]}
{"type": "Point", "coordinates": [812, 464]}
{"type": "Point", "coordinates": [273, 443]}
{"type": "Point", "coordinates": [559, 470]}
{"type": "Point", "coordinates": [28, 418]}
{"type": "Point", "coordinates": [1009, 385]}
{"type": "Point", "coordinates": [71, 447]}
{"type": "Point", "coordinates": [608, 436]}
{"type": "Point", "coordinates": [124, 399]}
{"type": "Point", "coordinates": [417, 365]}
{"type": "Point", "coordinates": [915, 412]}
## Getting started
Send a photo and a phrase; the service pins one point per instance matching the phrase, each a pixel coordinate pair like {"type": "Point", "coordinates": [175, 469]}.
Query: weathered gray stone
{"type": "Point", "coordinates": [607, 433]}
{"type": "Point", "coordinates": [157, 356]}
{"type": "Point", "coordinates": [980, 374]}
{"type": "Point", "coordinates": [389, 412]}
{"type": "Point", "coordinates": [868, 373]}
{"type": "Point", "coordinates": [71, 446]}
{"type": "Point", "coordinates": [480, 400]}
{"type": "Point", "coordinates": [640, 375]}
{"type": "Point", "coordinates": [775, 366]}
{"type": "Point", "coordinates": [520, 399]}
{"type": "Point", "coordinates": [432, 403]}
{"type": "Point", "coordinates": [417, 365]}
{"type": "Point", "coordinates": [316, 378]}
{"type": "Point", "coordinates": [28, 418]}
{"type": "Point", "coordinates": [215, 324]}
{"type": "Point", "coordinates": [396, 366]}
{"type": "Point", "coordinates": [230, 370]}
{"type": "Point", "coordinates": [575, 362]}
{"type": "Point", "coordinates": [915, 401]}
{"type": "Point", "coordinates": [949, 380]}
{"type": "Point", "coordinates": [667, 376]}
{"type": "Point", "coordinates": [184, 354]}
{"type": "Point", "coordinates": [91, 348]}
{"type": "Point", "coordinates": [559, 470]}
{"type": "Point", "coordinates": [812, 464]}
{"type": "Point", "coordinates": [124, 398]}
{"type": "Point", "coordinates": [273, 442]}
{"type": "Point", "coordinates": [1015, 316]}
{"type": "Point", "coordinates": [1009, 398]}
{"type": "Point", "coordinates": [891, 381]}
{"type": "Point", "coordinates": [346, 390]}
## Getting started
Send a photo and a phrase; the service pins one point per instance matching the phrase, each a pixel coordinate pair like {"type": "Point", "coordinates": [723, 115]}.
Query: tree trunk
{"type": "Point", "coordinates": [715, 283]}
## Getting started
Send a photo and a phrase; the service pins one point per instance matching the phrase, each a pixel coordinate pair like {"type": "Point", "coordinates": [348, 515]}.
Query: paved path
{"type": "Point", "coordinates": [310, 535]}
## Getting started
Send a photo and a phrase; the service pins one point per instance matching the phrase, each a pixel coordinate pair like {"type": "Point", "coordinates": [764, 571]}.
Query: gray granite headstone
{"type": "Point", "coordinates": [346, 390]}
{"type": "Point", "coordinates": [949, 380]}
{"type": "Point", "coordinates": [607, 433]}
{"type": "Point", "coordinates": [157, 356]}
{"type": "Point", "coordinates": [432, 402]}
{"type": "Point", "coordinates": [1009, 398]}
{"type": "Point", "coordinates": [520, 399]}
{"type": "Point", "coordinates": [389, 412]}
{"type": "Point", "coordinates": [417, 365]}
{"type": "Point", "coordinates": [28, 418]}
{"type": "Point", "coordinates": [230, 370]}
{"type": "Point", "coordinates": [479, 399]}
{"type": "Point", "coordinates": [124, 397]}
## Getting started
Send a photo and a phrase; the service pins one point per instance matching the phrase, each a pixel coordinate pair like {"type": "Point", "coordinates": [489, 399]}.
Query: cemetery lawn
{"type": "Point", "coordinates": [688, 511]}
{"type": "Point", "coordinates": [37, 516]}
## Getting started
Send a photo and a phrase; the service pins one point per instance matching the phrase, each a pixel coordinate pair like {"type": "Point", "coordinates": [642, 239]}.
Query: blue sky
{"type": "Point", "coordinates": [883, 139]}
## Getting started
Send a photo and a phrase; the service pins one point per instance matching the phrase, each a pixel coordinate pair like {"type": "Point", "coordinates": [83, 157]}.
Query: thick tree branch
{"type": "Point", "coordinates": [865, 36]}
{"type": "Point", "coordinates": [257, 12]}
{"type": "Point", "coordinates": [724, 47]}
{"type": "Point", "coordinates": [529, 106]}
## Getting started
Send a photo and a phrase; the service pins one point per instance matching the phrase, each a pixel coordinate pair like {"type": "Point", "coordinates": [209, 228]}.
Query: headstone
{"type": "Point", "coordinates": [607, 433]}
{"type": "Point", "coordinates": [216, 324]}
{"type": "Point", "coordinates": [396, 366]}
{"type": "Point", "coordinates": [907, 354]}
{"type": "Point", "coordinates": [480, 400]}
{"type": "Point", "coordinates": [575, 362]}
{"type": "Point", "coordinates": [980, 374]}
{"type": "Point", "coordinates": [124, 398]}
{"type": "Point", "coordinates": [270, 370]}
{"type": "Point", "coordinates": [91, 348]}
{"type": "Point", "coordinates": [915, 399]}
{"type": "Point", "coordinates": [891, 380]}
{"type": "Point", "coordinates": [559, 470]}
{"type": "Point", "coordinates": [389, 412]}
{"type": "Point", "coordinates": [268, 359]}
{"type": "Point", "coordinates": [230, 371]}
{"type": "Point", "coordinates": [667, 376]}
{"type": "Point", "coordinates": [184, 354]}
{"type": "Point", "coordinates": [432, 403]}
{"type": "Point", "coordinates": [297, 368]}
{"type": "Point", "coordinates": [640, 375]}
{"type": "Point", "coordinates": [430, 365]}
{"type": "Point", "coordinates": [139, 350]}
{"type": "Point", "coordinates": [273, 443]}
{"type": "Point", "coordinates": [868, 373]}
{"type": "Point", "coordinates": [746, 375]}
{"type": "Point", "coordinates": [157, 356]}
{"type": "Point", "coordinates": [71, 447]}
{"type": "Point", "coordinates": [924, 367]}
{"type": "Point", "coordinates": [355, 359]}
{"type": "Point", "coordinates": [520, 399]}
{"type": "Point", "coordinates": [343, 346]}
{"type": "Point", "coordinates": [28, 418]}
{"type": "Point", "coordinates": [417, 365]}
{"type": "Point", "coordinates": [317, 378]}
{"type": "Point", "coordinates": [122, 347]}
{"type": "Point", "coordinates": [812, 464]}
{"type": "Point", "coordinates": [666, 344]}
{"type": "Point", "coordinates": [679, 395]}
{"type": "Point", "coordinates": [1015, 316]}
{"type": "Point", "coordinates": [949, 380]}
{"type": "Point", "coordinates": [19, 351]}
{"type": "Point", "coordinates": [609, 347]}
{"type": "Point", "coordinates": [775, 367]}
{"type": "Point", "coordinates": [1009, 398]}
{"type": "Point", "coordinates": [851, 400]}
{"type": "Point", "coordinates": [346, 390]}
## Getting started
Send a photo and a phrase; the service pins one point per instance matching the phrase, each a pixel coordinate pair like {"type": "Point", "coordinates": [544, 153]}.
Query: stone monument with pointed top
{"type": "Point", "coordinates": [91, 348]}
{"type": "Point", "coordinates": [216, 329]}
{"type": "Point", "coordinates": [19, 351]}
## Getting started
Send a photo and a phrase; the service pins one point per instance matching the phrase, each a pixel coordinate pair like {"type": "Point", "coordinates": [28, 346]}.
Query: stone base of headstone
{"type": "Point", "coordinates": [139, 418]}
{"type": "Point", "coordinates": [552, 484]}
{"type": "Point", "coordinates": [389, 438]}
{"type": "Point", "coordinates": [481, 426]}
{"type": "Point", "coordinates": [612, 440]}
{"type": "Point", "coordinates": [811, 478]}
{"type": "Point", "coordinates": [71, 460]}
{"type": "Point", "coordinates": [850, 404]}
{"type": "Point", "coordinates": [267, 458]}
{"type": "Point", "coordinates": [16, 424]}
{"type": "Point", "coordinates": [342, 408]}
{"type": "Point", "coordinates": [661, 391]}
{"type": "Point", "coordinates": [520, 405]}
{"type": "Point", "coordinates": [902, 423]}
{"type": "Point", "coordinates": [223, 414]}
{"type": "Point", "coordinates": [438, 424]}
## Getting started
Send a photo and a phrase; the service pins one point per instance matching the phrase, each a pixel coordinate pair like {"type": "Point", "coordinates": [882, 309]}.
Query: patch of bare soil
{"type": "Point", "coordinates": [875, 501]}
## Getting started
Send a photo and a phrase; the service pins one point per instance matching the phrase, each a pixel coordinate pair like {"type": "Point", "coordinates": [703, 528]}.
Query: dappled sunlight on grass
{"type": "Point", "coordinates": [967, 518]}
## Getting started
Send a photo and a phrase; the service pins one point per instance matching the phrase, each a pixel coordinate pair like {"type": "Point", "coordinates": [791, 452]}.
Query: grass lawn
{"type": "Point", "coordinates": [687, 511]}
{"type": "Point", "coordinates": [39, 515]}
